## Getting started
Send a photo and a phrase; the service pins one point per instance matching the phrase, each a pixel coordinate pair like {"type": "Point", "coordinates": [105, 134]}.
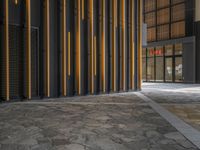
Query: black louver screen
{"type": "Point", "coordinates": [18, 62]}
{"type": "Point", "coordinates": [34, 62]}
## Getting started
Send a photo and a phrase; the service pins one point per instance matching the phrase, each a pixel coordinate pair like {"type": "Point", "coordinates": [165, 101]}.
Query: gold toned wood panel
{"type": "Point", "coordinates": [78, 47]}
{"type": "Point", "coordinates": [132, 69]}
{"type": "Point", "coordinates": [140, 6]}
{"type": "Point", "coordinates": [6, 34]}
{"type": "Point", "coordinates": [64, 47]}
{"type": "Point", "coordinates": [103, 47]}
{"type": "Point", "coordinates": [28, 46]}
{"type": "Point", "coordinates": [69, 54]}
{"type": "Point", "coordinates": [114, 18]}
{"type": "Point", "coordinates": [123, 45]}
{"type": "Point", "coordinates": [47, 46]}
{"type": "Point", "coordinates": [83, 9]}
{"type": "Point", "coordinates": [91, 43]}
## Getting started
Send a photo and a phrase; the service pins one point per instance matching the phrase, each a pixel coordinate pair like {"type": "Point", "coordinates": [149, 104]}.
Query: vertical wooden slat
{"type": "Point", "coordinates": [123, 45]}
{"type": "Point", "coordinates": [69, 55]}
{"type": "Point", "coordinates": [132, 44]}
{"type": "Point", "coordinates": [91, 44]}
{"type": "Point", "coordinates": [28, 46]}
{"type": "Point", "coordinates": [78, 44]}
{"type": "Point", "coordinates": [64, 62]}
{"type": "Point", "coordinates": [83, 9]}
{"type": "Point", "coordinates": [114, 17]}
{"type": "Point", "coordinates": [95, 57]}
{"type": "Point", "coordinates": [47, 44]}
{"type": "Point", "coordinates": [140, 43]}
{"type": "Point", "coordinates": [103, 47]}
{"type": "Point", "coordinates": [7, 73]}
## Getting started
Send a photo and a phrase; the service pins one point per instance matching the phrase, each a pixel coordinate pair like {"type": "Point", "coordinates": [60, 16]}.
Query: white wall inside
{"type": "Point", "coordinates": [197, 10]}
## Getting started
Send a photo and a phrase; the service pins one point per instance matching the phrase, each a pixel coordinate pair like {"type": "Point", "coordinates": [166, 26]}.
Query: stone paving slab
{"type": "Point", "coordinates": [183, 100]}
{"type": "Point", "coordinates": [106, 98]}
{"type": "Point", "coordinates": [100, 125]}
{"type": "Point", "coordinates": [172, 93]}
{"type": "Point", "coordinates": [187, 112]}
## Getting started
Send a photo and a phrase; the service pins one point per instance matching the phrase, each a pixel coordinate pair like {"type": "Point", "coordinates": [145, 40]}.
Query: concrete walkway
{"type": "Point", "coordinates": [108, 122]}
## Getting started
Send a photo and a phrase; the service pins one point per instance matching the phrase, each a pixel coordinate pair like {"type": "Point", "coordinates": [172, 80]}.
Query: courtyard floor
{"type": "Point", "coordinates": [125, 121]}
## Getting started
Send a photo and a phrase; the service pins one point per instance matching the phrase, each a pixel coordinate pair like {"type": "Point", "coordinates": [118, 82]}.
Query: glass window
{"type": "Point", "coordinates": [151, 34]}
{"type": "Point", "coordinates": [168, 50]}
{"type": "Point", "coordinates": [144, 52]}
{"type": "Point", "coordinates": [178, 69]}
{"type": "Point", "coordinates": [178, 29]}
{"type": "Point", "coordinates": [168, 69]}
{"type": "Point", "coordinates": [144, 69]}
{"type": "Point", "coordinates": [159, 51]}
{"type": "Point", "coordinates": [178, 49]}
{"type": "Point", "coordinates": [150, 52]}
{"type": "Point", "coordinates": [159, 69]}
{"type": "Point", "coordinates": [149, 5]}
{"type": "Point", "coordinates": [159, 64]}
{"type": "Point", "coordinates": [163, 16]}
{"type": "Point", "coordinates": [150, 19]}
{"type": "Point", "coordinates": [177, 1]}
{"type": "Point", "coordinates": [163, 32]}
{"type": "Point", "coordinates": [150, 64]}
{"type": "Point", "coordinates": [150, 69]}
{"type": "Point", "coordinates": [178, 12]}
{"type": "Point", "coordinates": [162, 3]}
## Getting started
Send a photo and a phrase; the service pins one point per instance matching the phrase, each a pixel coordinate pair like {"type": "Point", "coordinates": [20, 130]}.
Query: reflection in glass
{"type": "Point", "coordinates": [168, 50]}
{"type": "Point", "coordinates": [159, 68]}
{"type": "Point", "coordinates": [150, 69]}
{"type": "Point", "coordinates": [178, 49]}
{"type": "Point", "coordinates": [168, 70]}
{"type": "Point", "coordinates": [178, 69]}
{"type": "Point", "coordinates": [144, 69]}
{"type": "Point", "coordinates": [144, 52]}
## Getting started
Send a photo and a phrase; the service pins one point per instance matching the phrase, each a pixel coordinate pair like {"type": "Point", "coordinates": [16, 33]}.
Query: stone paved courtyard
{"type": "Point", "coordinates": [107, 122]}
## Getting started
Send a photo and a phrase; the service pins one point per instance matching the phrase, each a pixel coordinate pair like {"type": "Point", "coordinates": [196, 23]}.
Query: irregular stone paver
{"type": "Point", "coordinates": [118, 122]}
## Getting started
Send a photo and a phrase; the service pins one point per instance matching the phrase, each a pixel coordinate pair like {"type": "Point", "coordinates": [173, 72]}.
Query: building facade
{"type": "Point", "coordinates": [58, 48]}
{"type": "Point", "coordinates": [172, 52]}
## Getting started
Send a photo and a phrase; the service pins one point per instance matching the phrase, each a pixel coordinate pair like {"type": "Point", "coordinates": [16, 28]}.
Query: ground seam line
{"type": "Point", "coordinates": [188, 131]}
